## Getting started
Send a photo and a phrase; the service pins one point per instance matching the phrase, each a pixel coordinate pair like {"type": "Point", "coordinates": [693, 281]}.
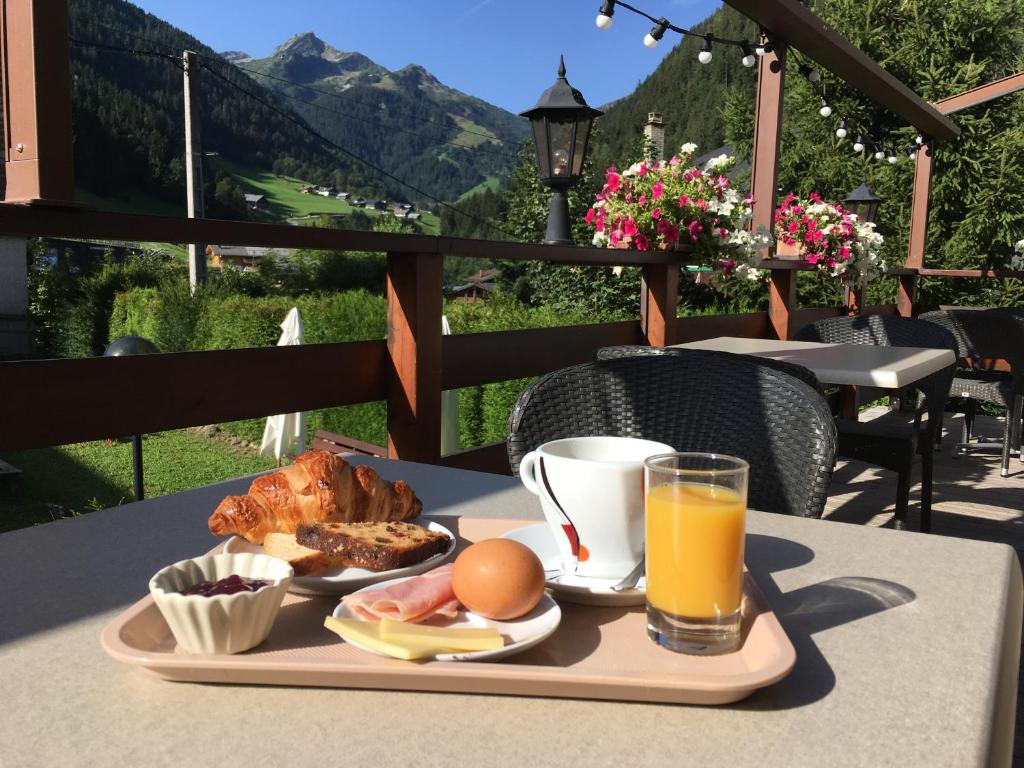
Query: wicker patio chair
{"type": "Point", "coordinates": [696, 401]}
{"type": "Point", "coordinates": [982, 337]}
{"type": "Point", "coordinates": [892, 440]}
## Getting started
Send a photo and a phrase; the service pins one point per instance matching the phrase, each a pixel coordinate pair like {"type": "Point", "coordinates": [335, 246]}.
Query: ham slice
{"type": "Point", "coordinates": [414, 600]}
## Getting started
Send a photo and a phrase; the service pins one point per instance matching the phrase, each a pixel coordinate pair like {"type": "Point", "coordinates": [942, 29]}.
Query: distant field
{"type": "Point", "coordinates": [131, 202]}
{"type": "Point", "coordinates": [491, 182]}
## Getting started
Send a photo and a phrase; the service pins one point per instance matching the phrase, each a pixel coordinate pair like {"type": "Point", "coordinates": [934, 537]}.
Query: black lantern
{"type": "Point", "coordinates": [863, 202]}
{"type": "Point", "coordinates": [561, 124]}
{"type": "Point", "coordinates": [122, 347]}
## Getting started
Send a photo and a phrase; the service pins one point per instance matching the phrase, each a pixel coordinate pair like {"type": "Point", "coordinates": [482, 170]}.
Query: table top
{"type": "Point", "coordinates": [907, 652]}
{"type": "Point", "coordinates": [847, 364]}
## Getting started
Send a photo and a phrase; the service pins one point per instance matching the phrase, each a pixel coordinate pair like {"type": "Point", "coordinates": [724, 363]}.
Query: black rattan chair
{"type": "Point", "coordinates": [693, 401]}
{"type": "Point", "coordinates": [892, 440]}
{"type": "Point", "coordinates": [983, 336]}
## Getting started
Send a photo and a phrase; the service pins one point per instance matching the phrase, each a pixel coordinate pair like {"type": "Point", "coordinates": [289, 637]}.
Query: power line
{"type": "Point", "coordinates": [302, 124]}
{"type": "Point", "coordinates": [335, 95]}
{"type": "Point", "coordinates": [133, 51]}
{"type": "Point", "coordinates": [379, 124]}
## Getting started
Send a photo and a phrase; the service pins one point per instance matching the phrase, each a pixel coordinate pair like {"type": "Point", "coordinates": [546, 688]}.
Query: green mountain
{"type": "Point", "coordinates": [443, 141]}
{"type": "Point", "coordinates": [127, 111]}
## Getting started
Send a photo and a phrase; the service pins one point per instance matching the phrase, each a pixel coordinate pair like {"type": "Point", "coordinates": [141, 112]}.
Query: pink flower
{"type": "Point", "coordinates": [615, 236]}
{"type": "Point", "coordinates": [702, 204]}
{"type": "Point", "coordinates": [656, 213]}
{"type": "Point", "coordinates": [812, 258]}
{"type": "Point", "coordinates": [669, 233]}
{"type": "Point", "coordinates": [844, 252]}
{"type": "Point", "coordinates": [676, 160]}
{"type": "Point", "coordinates": [630, 228]}
{"type": "Point", "coordinates": [815, 197]}
{"type": "Point", "coordinates": [642, 201]}
{"type": "Point", "coordinates": [794, 226]}
{"type": "Point", "coordinates": [641, 243]}
{"type": "Point", "coordinates": [694, 229]}
{"type": "Point", "coordinates": [727, 266]}
{"type": "Point", "coordinates": [684, 200]}
{"type": "Point", "coordinates": [657, 190]}
{"type": "Point", "coordinates": [612, 181]}
{"type": "Point", "coordinates": [643, 170]}
{"type": "Point", "coordinates": [589, 218]}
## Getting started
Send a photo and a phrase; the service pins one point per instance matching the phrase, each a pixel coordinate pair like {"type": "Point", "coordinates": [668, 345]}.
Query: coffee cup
{"type": "Point", "coordinates": [591, 491]}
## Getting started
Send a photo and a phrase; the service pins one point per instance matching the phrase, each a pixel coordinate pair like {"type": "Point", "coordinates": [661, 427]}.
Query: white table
{"type": "Point", "coordinates": [859, 365]}
{"type": "Point", "coordinates": [907, 653]}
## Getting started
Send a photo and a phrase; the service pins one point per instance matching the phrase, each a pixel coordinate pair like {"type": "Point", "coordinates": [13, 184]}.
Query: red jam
{"type": "Point", "coordinates": [229, 585]}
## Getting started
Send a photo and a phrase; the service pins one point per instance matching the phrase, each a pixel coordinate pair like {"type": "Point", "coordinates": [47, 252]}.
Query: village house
{"type": "Point", "coordinates": [245, 256]}
{"type": "Point", "coordinates": [256, 202]}
{"type": "Point", "coordinates": [477, 287]}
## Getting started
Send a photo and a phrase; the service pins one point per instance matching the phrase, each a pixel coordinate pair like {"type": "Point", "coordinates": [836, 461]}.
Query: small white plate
{"type": "Point", "coordinates": [569, 586]}
{"type": "Point", "coordinates": [341, 581]}
{"type": "Point", "coordinates": [519, 634]}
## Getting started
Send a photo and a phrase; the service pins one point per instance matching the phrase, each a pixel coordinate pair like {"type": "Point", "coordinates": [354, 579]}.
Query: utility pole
{"type": "Point", "coordinates": [193, 166]}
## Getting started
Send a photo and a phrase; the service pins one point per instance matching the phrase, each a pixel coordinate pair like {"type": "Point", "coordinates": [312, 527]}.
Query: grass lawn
{"type": "Point", "coordinates": [71, 480]}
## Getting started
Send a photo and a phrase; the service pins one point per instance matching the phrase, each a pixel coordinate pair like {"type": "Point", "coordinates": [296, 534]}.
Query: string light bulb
{"type": "Point", "coordinates": [604, 16]}
{"type": "Point", "coordinates": [810, 73]}
{"type": "Point", "coordinates": [705, 55]}
{"type": "Point", "coordinates": [657, 32]}
{"type": "Point", "coordinates": [879, 154]}
{"type": "Point", "coordinates": [912, 152]}
{"type": "Point", "coordinates": [892, 157]}
{"type": "Point", "coordinates": [749, 59]}
{"type": "Point", "coordinates": [858, 145]}
{"type": "Point", "coordinates": [764, 45]}
{"type": "Point", "coordinates": [919, 139]}
{"type": "Point", "coordinates": [826, 108]}
{"type": "Point", "coordinates": [841, 130]}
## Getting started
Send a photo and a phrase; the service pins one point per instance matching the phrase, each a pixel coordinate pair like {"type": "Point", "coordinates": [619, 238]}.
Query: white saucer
{"type": "Point", "coordinates": [344, 580]}
{"type": "Point", "coordinates": [569, 586]}
{"type": "Point", "coordinates": [519, 634]}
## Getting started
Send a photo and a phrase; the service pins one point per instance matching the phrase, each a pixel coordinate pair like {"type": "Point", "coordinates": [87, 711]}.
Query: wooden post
{"type": "Point", "coordinates": [764, 176]}
{"type": "Point", "coordinates": [414, 293]}
{"type": "Point", "coordinates": [193, 165]}
{"type": "Point", "coordinates": [906, 295]}
{"type": "Point", "coordinates": [919, 207]}
{"type": "Point", "coordinates": [38, 159]}
{"type": "Point", "coordinates": [781, 300]}
{"type": "Point", "coordinates": [658, 301]}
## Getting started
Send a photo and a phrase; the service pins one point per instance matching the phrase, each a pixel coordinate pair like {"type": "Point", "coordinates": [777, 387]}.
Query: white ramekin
{"type": "Point", "coordinates": [222, 623]}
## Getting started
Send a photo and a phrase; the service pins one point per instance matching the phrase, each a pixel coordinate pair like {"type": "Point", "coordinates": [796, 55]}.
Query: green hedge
{"type": "Point", "coordinates": [177, 321]}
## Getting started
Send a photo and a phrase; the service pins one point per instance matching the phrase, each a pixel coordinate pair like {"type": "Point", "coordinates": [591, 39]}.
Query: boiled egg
{"type": "Point", "coordinates": [498, 579]}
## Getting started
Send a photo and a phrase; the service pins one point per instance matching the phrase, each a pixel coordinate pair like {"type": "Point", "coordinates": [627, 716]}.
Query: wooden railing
{"type": "Point", "coordinates": [51, 402]}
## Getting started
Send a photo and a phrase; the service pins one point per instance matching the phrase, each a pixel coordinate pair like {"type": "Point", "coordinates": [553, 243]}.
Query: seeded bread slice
{"type": "Point", "coordinates": [305, 561]}
{"type": "Point", "coordinates": [374, 546]}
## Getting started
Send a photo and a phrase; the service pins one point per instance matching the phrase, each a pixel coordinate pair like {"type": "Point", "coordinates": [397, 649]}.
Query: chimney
{"type": "Point", "coordinates": [654, 133]}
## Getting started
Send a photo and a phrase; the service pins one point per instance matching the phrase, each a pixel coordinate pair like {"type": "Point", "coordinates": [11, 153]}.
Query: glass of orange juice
{"type": "Point", "coordinates": [695, 512]}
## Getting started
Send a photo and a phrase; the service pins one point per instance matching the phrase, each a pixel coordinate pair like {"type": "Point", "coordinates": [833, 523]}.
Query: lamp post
{"type": "Point", "coordinates": [561, 123]}
{"type": "Point", "coordinates": [863, 202]}
{"type": "Point", "coordinates": [133, 345]}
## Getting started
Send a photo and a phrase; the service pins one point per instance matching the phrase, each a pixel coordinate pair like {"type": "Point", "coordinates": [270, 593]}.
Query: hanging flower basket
{"type": "Point", "coordinates": [789, 251]}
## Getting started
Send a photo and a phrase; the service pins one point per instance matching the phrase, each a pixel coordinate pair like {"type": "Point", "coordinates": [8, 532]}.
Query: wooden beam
{"type": "Point", "coordinates": [918, 240]}
{"type": "Point", "coordinates": [492, 457]}
{"type": "Point", "coordinates": [801, 29]}
{"type": "Point", "coordinates": [414, 294]}
{"type": "Point", "coordinates": [51, 402]}
{"type": "Point", "coordinates": [764, 171]}
{"type": "Point", "coordinates": [981, 94]}
{"type": "Point", "coordinates": [36, 79]}
{"type": "Point", "coordinates": [781, 301]}
{"type": "Point", "coordinates": [660, 297]}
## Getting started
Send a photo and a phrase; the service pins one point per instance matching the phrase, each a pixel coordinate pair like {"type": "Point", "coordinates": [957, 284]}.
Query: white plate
{"type": "Point", "coordinates": [341, 581]}
{"type": "Point", "coordinates": [569, 586]}
{"type": "Point", "coordinates": [519, 634]}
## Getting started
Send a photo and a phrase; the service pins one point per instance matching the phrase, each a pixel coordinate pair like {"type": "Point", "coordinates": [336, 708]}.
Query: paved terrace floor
{"type": "Point", "coordinates": [970, 501]}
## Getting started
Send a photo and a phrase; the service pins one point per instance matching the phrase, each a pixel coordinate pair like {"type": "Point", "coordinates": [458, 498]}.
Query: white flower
{"type": "Point", "coordinates": [689, 148]}
{"type": "Point", "coordinates": [600, 240]}
{"type": "Point", "coordinates": [617, 271]}
{"type": "Point", "coordinates": [721, 161]}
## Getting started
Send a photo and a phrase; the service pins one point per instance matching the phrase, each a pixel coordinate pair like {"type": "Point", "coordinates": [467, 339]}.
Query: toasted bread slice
{"type": "Point", "coordinates": [374, 546]}
{"type": "Point", "coordinates": [305, 561]}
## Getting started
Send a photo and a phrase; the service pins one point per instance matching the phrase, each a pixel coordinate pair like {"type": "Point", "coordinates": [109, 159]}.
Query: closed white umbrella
{"type": "Point", "coordinates": [286, 430]}
{"type": "Point", "coordinates": [449, 409]}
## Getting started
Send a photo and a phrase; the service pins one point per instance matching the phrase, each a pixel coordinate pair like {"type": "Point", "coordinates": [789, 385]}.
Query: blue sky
{"type": "Point", "coordinates": [503, 51]}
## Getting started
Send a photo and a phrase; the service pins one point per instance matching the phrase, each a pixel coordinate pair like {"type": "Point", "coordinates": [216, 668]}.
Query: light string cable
{"type": "Point", "coordinates": [864, 139]}
{"type": "Point", "coordinates": [505, 152]}
{"type": "Point", "coordinates": [334, 145]}
{"type": "Point", "coordinates": [749, 50]}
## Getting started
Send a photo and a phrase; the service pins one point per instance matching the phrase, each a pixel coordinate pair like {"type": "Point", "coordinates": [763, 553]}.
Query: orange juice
{"type": "Point", "coordinates": [694, 549]}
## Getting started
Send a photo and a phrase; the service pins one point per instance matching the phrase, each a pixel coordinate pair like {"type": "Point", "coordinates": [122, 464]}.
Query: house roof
{"type": "Point", "coordinates": [253, 198]}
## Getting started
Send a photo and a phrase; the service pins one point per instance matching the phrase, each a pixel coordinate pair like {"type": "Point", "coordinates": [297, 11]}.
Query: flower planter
{"type": "Point", "coordinates": [793, 252]}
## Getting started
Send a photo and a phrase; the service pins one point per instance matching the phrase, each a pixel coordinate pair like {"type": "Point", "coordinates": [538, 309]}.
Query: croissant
{"type": "Point", "coordinates": [318, 487]}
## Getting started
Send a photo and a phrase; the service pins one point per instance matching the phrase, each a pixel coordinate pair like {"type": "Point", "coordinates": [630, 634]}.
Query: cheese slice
{"type": "Point", "coordinates": [412, 645]}
{"type": "Point", "coordinates": [458, 638]}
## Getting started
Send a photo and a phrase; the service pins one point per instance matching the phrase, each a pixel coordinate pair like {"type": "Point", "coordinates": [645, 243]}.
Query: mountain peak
{"type": "Point", "coordinates": [235, 56]}
{"type": "Point", "coordinates": [304, 44]}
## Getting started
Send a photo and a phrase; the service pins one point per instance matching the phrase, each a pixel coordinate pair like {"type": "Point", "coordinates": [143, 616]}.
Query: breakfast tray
{"type": "Point", "coordinates": [596, 653]}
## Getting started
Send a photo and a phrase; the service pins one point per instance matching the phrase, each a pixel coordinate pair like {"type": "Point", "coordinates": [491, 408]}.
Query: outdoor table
{"type": "Point", "coordinates": [907, 654]}
{"type": "Point", "coordinates": [858, 365]}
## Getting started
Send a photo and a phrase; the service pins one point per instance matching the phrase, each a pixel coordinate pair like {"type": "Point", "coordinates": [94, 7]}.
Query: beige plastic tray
{"type": "Point", "coordinates": [596, 653]}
